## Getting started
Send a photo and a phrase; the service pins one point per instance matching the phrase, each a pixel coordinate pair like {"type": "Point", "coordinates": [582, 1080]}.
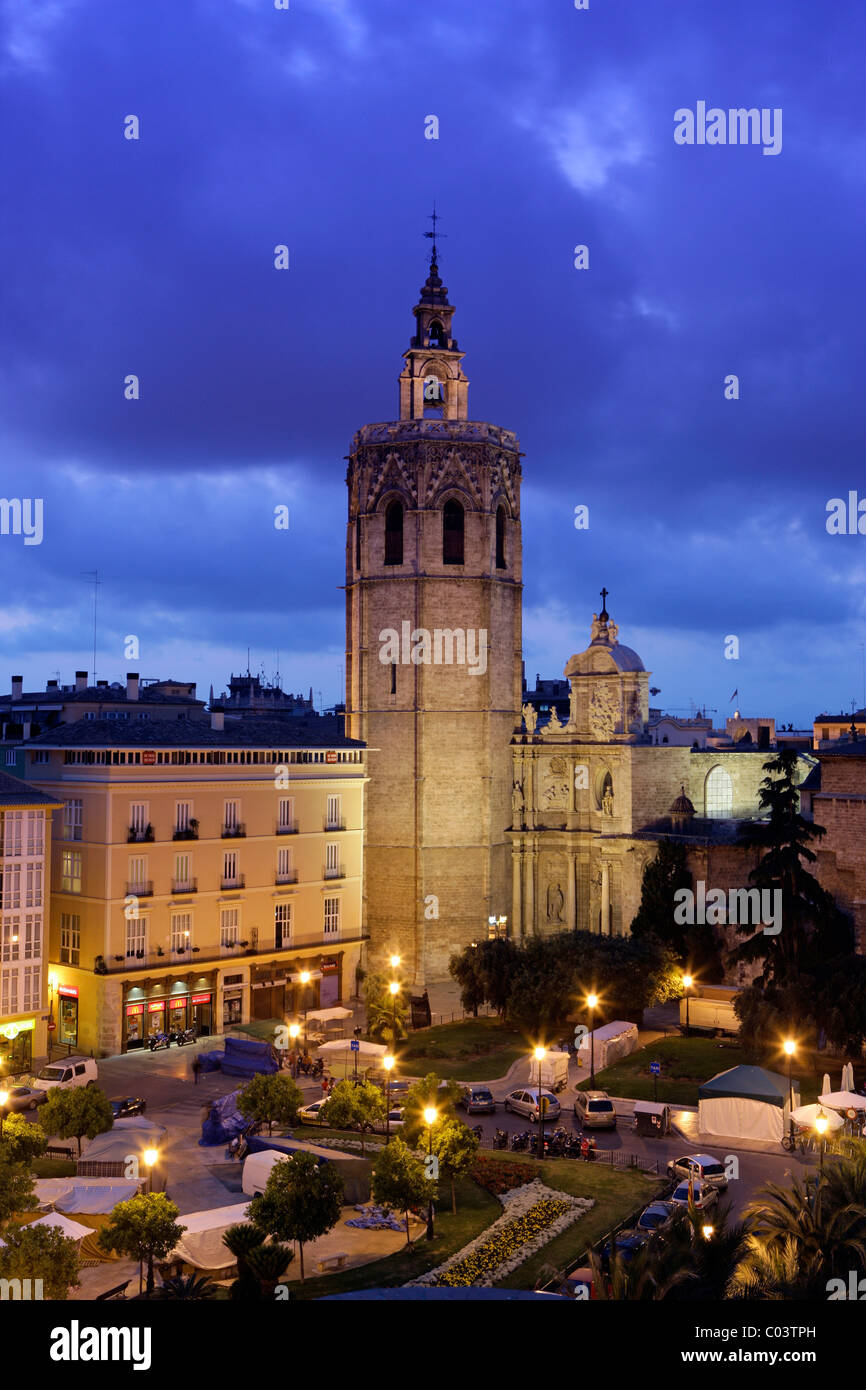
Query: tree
{"type": "Point", "coordinates": [241, 1240]}
{"type": "Point", "coordinates": [443, 1096]}
{"type": "Point", "coordinates": [484, 972]}
{"type": "Point", "coordinates": [812, 928]}
{"type": "Point", "coordinates": [143, 1228]}
{"type": "Point", "coordinates": [400, 1180]}
{"type": "Point", "coordinates": [465, 968]}
{"type": "Point", "coordinates": [302, 1201]}
{"type": "Point", "coordinates": [78, 1113]}
{"type": "Point", "coordinates": [22, 1141]}
{"type": "Point", "coordinates": [186, 1286]}
{"type": "Point", "coordinates": [271, 1100]}
{"type": "Point", "coordinates": [387, 1014]}
{"type": "Point", "coordinates": [455, 1146]}
{"type": "Point", "coordinates": [41, 1252]}
{"type": "Point", "coordinates": [16, 1189]}
{"type": "Point", "coordinates": [269, 1263]}
{"type": "Point", "coordinates": [663, 876]}
{"type": "Point", "coordinates": [350, 1106]}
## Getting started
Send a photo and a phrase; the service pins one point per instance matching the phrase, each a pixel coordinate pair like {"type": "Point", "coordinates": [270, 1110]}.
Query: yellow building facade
{"type": "Point", "coordinates": [197, 871]}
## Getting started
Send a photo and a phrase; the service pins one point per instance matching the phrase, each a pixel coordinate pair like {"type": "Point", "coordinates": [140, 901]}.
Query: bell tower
{"type": "Point", "coordinates": [433, 652]}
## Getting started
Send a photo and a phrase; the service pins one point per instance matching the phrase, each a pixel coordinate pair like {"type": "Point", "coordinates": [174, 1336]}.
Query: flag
{"type": "Point", "coordinates": [734, 696]}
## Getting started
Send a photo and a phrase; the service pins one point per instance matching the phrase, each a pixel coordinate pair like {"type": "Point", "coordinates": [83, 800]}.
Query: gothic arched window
{"type": "Point", "coordinates": [394, 534]}
{"type": "Point", "coordinates": [719, 794]}
{"type": "Point", "coordinates": [500, 538]}
{"type": "Point", "coordinates": [452, 533]}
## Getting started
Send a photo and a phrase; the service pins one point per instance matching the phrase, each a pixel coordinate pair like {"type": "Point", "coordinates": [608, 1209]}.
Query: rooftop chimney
{"type": "Point", "coordinates": [80, 680]}
{"type": "Point", "coordinates": [217, 719]}
{"type": "Point", "coordinates": [101, 685]}
{"type": "Point", "coordinates": [17, 686]}
{"type": "Point", "coordinates": [51, 686]}
{"type": "Point", "coordinates": [132, 685]}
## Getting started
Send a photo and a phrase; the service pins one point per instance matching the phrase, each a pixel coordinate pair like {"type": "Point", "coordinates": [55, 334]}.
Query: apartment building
{"type": "Point", "coordinates": [25, 840]}
{"type": "Point", "coordinates": [198, 870]}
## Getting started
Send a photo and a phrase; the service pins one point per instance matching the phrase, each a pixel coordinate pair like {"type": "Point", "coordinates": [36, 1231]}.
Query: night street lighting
{"type": "Point", "coordinates": [707, 1231]}
{"type": "Point", "coordinates": [388, 1064]}
{"type": "Point", "coordinates": [305, 978]}
{"type": "Point", "coordinates": [394, 990]}
{"type": "Point", "coordinates": [790, 1048]}
{"type": "Point", "coordinates": [592, 1005]}
{"type": "Point", "coordinates": [687, 984]}
{"type": "Point", "coordinates": [539, 1054]}
{"type": "Point", "coordinates": [395, 962]}
{"type": "Point", "coordinates": [430, 1120]}
{"type": "Point", "coordinates": [150, 1157]}
{"type": "Point", "coordinates": [294, 1030]}
{"type": "Point", "coordinates": [821, 1123]}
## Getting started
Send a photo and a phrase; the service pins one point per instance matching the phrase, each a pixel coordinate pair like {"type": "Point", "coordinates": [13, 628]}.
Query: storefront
{"type": "Point", "coordinates": [202, 1013]}
{"type": "Point", "coordinates": [134, 1026]}
{"type": "Point", "coordinates": [329, 990]}
{"type": "Point", "coordinates": [166, 1006]}
{"type": "Point", "coordinates": [16, 1046]}
{"type": "Point", "coordinates": [67, 1016]}
{"type": "Point", "coordinates": [233, 1000]}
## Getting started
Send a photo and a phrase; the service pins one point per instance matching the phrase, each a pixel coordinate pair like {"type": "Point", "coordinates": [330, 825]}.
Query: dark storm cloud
{"type": "Point", "coordinates": [261, 127]}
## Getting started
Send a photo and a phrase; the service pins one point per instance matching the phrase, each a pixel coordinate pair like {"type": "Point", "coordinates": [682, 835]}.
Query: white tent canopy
{"type": "Point", "coordinates": [843, 1100]}
{"type": "Point", "coordinates": [609, 1044]}
{"type": "Point", "coordinates": [89, 1195]}
{"type": "Point", "coordinates": [325, 1015]}
{"type": "Point", "coordinates": [201, 1244]}
{"type": "Point", "coordinates": [746, 1102]}
{"type": "Point", "coordinates": [807, 1115]}
{"type": "Point", "coordinates": [364, 1049]}
{"type": "Point", "coordinates": [73, 1230]}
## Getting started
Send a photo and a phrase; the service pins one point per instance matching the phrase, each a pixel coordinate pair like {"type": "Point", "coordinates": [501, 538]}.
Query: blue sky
{"type": "Point", "coordinates": [306, 127]}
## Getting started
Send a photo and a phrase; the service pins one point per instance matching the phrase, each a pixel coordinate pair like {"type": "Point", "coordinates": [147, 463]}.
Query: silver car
{"type": "Point", "coordinates": [525, 1102]}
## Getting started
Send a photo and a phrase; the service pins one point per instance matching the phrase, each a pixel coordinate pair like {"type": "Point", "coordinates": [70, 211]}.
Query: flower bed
{"type": "Point", "coordinates": [534, 1214]}
{"type": "Point", "coordinates": [498, 1176]}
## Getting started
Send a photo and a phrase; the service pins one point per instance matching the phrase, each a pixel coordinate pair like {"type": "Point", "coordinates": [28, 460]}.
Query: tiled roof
{"type": "Point", "coordinates": [101, 694]}
{"type": "Point", "coordinates": [324, 731]}
{"type": "Point", "coordinates": [15, 792]}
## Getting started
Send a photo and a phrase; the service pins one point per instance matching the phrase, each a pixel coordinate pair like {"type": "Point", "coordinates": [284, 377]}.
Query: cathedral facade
{"type": "Point", "coordinates": [433, 653]}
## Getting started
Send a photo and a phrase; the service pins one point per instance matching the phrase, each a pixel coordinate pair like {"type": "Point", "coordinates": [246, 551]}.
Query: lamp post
{"type": "Point", "coordinates": [305, 978]}
{"type": "Point", "coordinates": [687, 984]}
{"type": "Point", "coordinates": [539, 1054]}
{"type": "Point", "coordinates": [388, 1064]}
{"type": "Point", "coordinates": [294, 1030]}
{"type": "Point", "coordinates": [790, 1047]}
{"type": "Point", "coordinates": [150, 1157]}
{"type": "Point", "coordinates": [4, 1096]}
{"type": "Point", "coordinates": [356, 1033]}
{"type": "Point", "coordinates": [430, 1120]}
{"type": "Point", "coordinates": [591, 1004]}
{"type": "Point", "coordinates": [395, 962]}
{"type": "Point", "coordinates": [394, 990]}
{"type": "Point", "coordinates": [821, 1123]}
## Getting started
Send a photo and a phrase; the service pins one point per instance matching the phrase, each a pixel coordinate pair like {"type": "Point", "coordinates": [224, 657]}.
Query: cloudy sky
{"type": "Point", "coordinates": [306, 126]}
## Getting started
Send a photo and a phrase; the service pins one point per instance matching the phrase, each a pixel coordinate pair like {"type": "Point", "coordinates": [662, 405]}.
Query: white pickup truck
{"type": "Point", "coordinates": [710, 1009]}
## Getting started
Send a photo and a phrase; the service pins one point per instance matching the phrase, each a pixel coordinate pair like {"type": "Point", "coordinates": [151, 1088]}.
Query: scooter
{"type": "Point", "coordinates": [158, 1040]}
{"type": "Point", "coordinates": [500, 1139]}
{"type": "Point", "coordinates": [478, 1132]}
{"type": "Point", "coordinates": [185, 1035]}
{"type": "Point", "coordinates": [318, 1067]}
{"type": "Point", "coordinates": [520, 1141]}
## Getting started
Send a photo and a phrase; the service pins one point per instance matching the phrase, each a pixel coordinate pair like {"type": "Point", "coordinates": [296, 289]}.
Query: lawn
{"type": "Point", "coordinates": [688, 1062]}
{"type": "Point", "coordinates": [475, 1049]}
{"type": "Point", "coordinates": [52, 1168]}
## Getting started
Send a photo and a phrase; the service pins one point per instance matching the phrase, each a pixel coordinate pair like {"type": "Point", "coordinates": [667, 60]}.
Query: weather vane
{"type": "Point", "coordinates": [432, 236]}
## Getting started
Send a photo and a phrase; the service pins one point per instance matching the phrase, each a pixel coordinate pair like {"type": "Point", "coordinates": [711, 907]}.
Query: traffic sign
{"type": "Point", "coordinates": [354, 1045]}
{"type": "Point", "coordinates": [655, 1068]}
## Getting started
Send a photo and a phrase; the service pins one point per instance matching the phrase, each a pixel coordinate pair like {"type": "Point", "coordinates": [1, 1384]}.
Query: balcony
{"type": "Point", "coordinates": [288, 829]}
{"type": "Point", "coordinates": [182, 953]}
{"type": "Point", "coordinates": [332, 872]}
{"type": "Point", "coordinates": [188, 832]}
{"type": "Point", "coordinates": [334, 825]}
{"type": "Point", "coordinates": [290, 877]}
{"type": "Point", "coordinates": [235, 881]}
{"type": "Point", "coordinates": [140, 890]}
{"type": "Point", "coordinates": [184, 885]}
{"type": "Point", "coordinates": [234, 832]}
{"type": "Point", "coordinates": [136, 836]}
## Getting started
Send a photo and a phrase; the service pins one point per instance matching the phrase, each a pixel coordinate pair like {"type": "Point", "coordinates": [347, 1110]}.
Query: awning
{"type": "Point", "coordinates": [749, 1083]}
{"type": "Point", "coordinates": [324, 1014]}
{"type": "Point", "coordinates": [364, 1049]}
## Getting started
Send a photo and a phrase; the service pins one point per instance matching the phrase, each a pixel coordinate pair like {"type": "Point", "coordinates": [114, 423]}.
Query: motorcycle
{"type": "Point", "coordinates": [318, 1067]}
{"type": "Point", "coordinates": [520, 1142]}
{"type": "Point", "coordinates": [558, 1143]}
{"type": "Point", "coordinates": [184, 1035]}
{"type": "Point", "coordinates": [478, 1132]}
{"type": "Point", "coordinates": [158, 1040]}
{"type": "Point", "coordinates": [500, 1139]}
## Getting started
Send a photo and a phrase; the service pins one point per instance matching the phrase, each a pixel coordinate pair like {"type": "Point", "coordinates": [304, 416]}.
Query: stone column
{"type": "Point", "coordinates": [529, 923]}
{"type": "Point", "coordinates": [516, 904]}
{"type": "Point", "coordinates": [570, 896]}
{"type": "Point", "coordinates": [605, 899]}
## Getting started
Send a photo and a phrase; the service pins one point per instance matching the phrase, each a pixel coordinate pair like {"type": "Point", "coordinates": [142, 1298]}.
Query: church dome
{"type": "Point", "coordinates": [682, 806]}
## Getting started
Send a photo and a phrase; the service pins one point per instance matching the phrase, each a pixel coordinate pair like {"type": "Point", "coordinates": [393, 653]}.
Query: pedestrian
{"type": "Point", "coordinates": [325, 1088]}
{"type": "Point", "coordinates": [196, 1068]}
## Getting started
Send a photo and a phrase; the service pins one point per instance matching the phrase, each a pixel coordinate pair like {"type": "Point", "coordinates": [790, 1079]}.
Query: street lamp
{"type": "Point", "coordinates": [539, 1054]}
{"type": "Point", "coordinates": [790, 1048]}
{"type": "Point", "coordinates": [305, 978]}
{"type": "Point", "coordinates": [394, 990]}
{"type": "Point", "coordinates": [687, 984]}
{"type": "Point", "coordinates": [150, 1157]}
{"type": "Point", "coordinates": [821, 1123]}
{"type": "Point", "coordinates": [294, 1030]}
{"type": "Point", "coordinates": [388, 1064]}
{"type": "Point", "coordinates": [707, 1231]}
{"type": "Point", "coordinates": [395, 962]}
{"type": "Point", "coordinates": [430, 1120]}
{"type": "Point", "coordinates": [591, 1004]}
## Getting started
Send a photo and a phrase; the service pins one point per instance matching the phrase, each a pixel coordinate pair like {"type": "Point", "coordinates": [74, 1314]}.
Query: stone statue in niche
{"type": "Point", "coordinates": [555, 903]}
{"type": "Point", "coordinates": [597, 628]}
{"type": "Point", "coordinates": [556, 785]}
{"type": "Point", "coordinates": [554, 724]}
{"type": "Point", "coordinates": [530, 718]}
{"type": "Point", "coordinates": [517, 802]}
{"type": "Point", "coordinates": [607, 802]}
{"type": "Point", "coordinates": [604, 712]}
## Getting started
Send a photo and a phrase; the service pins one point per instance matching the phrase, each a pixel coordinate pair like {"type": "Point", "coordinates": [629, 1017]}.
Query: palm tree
{"type": "Point", "coordinates": [187, 1286]}
{"type": "Point", "coordinates": [269, 1263]}
{"type": "Point", "coordinates": [774, 1272]}
{"type": "Point", "coordinates": [650, 1274]}
{"type": "Point", "coordinates": [240, 1240]}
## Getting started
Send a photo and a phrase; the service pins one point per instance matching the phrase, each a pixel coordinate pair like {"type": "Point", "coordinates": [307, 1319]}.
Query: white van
{"type": "Point", "coordinates": [72, 1071]}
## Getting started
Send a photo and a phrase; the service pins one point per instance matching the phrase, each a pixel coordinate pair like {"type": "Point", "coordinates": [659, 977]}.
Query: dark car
{"type": "Point", "coordinates": [399, 1087]}
{"type": "Point", "coordinates": [122, 1106]}
{"type": "Point", "coordinates": [628, 1243]}
{"type": "Point", "coordinates": [23, 1098]}
{"type": "Point", "coordinates": [657, 1217]}
{"type": "Point", "coordinates": [478, 1100]}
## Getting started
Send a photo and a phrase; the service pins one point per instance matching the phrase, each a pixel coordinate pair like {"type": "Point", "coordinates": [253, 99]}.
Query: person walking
{"type": "Point", "coordinates": [196, 1069]}
{"type": "Point", "coordinates": [326, 1089]}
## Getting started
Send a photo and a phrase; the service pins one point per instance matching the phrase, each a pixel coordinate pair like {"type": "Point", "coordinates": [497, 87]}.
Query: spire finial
{"type": "Point", "coordinates": [431, 236]}
{"type": "Point", "coordinates": [604, 615]}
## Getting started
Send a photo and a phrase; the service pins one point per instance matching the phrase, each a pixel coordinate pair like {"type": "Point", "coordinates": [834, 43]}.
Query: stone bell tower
{"type": "Point", "coordinates": [433, 653]}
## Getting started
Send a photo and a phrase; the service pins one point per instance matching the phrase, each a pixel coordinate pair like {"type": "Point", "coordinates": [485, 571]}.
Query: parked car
{"type": "Point", "coordinates": [525, 1102]}
{"type": "Point", "coordinates": [478, 1100]}
{"type": "Point", "coordinates": [72, 1071]}
{"type": "Point", "coordinates": [628, 1243]}
{"type": "Point", "coordinates": [395, 1120]}
{"type": "Point", "coordinates": [710, 1170]}
{"type": "Point", "coordinates": [594, 1110]}
{"type": "Point", "coordinates": [399, 1087]}
{"type": "Point", "coordinates": [24, 1098]}
{"type": "Point", "coordinates": [311, 1114]}
{"type": "Point", "coordinates": [703, 1196]}
{"type": "Point", "coordinates": [123, 1106]}
{"type": "Point", "coordinates": [657, 1217]}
